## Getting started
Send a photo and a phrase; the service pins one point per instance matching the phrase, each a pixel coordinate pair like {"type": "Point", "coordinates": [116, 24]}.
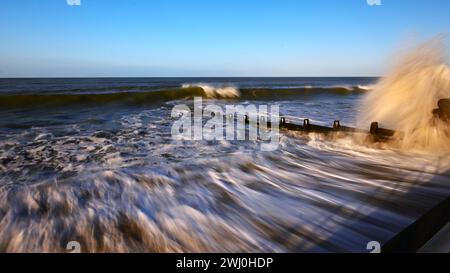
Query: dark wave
{"type": "Point", "coordinates": [75, 97]}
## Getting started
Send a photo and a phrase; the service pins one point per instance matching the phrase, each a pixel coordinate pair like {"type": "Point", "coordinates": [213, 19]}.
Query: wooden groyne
{"type": "Point", "coordinates": [308, 127]}
{"type": "Point", "coordinates": [378, 133]}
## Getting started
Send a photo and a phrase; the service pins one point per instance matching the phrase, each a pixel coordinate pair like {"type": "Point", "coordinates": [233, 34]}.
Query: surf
{"type": "Point", "coordinates": [215, 92]}
{"type": "Point", "coordinates": [404, 100]}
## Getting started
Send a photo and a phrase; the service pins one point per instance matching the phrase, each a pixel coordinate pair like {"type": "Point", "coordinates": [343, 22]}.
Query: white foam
{"type": "Point", "coordinates": [216, 92]}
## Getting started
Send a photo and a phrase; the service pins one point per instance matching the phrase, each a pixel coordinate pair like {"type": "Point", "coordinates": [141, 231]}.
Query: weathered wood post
{"type": "Point", "coordinates": [444, 109]}
{"type": "Point", "coordinates": [374, 128]}
{"type": "Point", "coordinates": [336, 125]}
{"type": "Point", "coordinates": [306, 123]}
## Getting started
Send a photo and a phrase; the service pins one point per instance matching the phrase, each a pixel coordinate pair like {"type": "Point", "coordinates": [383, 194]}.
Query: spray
{"type": "Point", "coordinates": [404, 100]}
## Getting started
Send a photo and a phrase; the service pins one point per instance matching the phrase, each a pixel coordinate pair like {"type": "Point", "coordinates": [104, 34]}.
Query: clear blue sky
{"type": "Point", "coordinates": [210, 37]}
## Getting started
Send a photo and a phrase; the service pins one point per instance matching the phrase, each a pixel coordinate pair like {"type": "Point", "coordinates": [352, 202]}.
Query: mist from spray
{"type": "Point", "coordinates": [404, 99]}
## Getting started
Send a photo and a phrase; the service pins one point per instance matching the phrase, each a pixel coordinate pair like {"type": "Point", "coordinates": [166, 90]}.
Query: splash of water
{"type": "Point", "coordinates": [216, 92]}
{"type": "Point", "coordinates": [404, 100]}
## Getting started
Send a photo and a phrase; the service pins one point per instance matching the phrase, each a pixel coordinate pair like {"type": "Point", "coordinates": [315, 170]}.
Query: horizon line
{"type": "Point", "coordinates": [172, 77]}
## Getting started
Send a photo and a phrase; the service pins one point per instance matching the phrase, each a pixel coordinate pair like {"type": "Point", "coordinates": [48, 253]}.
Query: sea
{"type": "Point", "coordinates": [94, 160]}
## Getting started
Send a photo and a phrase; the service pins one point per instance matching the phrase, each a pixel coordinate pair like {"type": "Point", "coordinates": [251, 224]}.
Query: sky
{"type": "Point", "coordinates": [204, 38]}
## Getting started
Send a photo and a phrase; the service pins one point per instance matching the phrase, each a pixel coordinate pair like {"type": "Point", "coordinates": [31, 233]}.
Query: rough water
{"type": "Point", "coordinates": [406, 97]}
{"type": "Point", "coordinates": [93, 161]}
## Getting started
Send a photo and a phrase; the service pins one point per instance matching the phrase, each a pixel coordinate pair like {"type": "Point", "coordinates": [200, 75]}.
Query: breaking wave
{"type": "Point", "coordinates": [215, 92]}
{"type": "Point", "coordinates": [404, 100]}
{"type": "Point", "coordinates": [158, 96]}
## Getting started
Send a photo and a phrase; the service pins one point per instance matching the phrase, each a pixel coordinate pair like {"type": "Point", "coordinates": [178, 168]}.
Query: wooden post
{"type": "Point", "coordinates": [306, 123]}
{"type": "Point", "coordinates": [336, 125]}
{"type": "Point", "coordinates": [374, 128]}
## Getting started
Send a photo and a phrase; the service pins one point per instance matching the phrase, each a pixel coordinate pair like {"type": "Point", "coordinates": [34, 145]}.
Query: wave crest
{"type": "Point", "coordinates": [216, 92]}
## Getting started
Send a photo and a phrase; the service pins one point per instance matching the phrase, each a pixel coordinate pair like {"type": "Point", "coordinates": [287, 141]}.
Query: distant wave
{"type": "Point", "coordinates": [366, 87]}
{"type": "Point", "coordinates": [353, 88]}
{"type": "Point", "coordinates": [215, 92]}
{"type": "Point", "coordinates": [186, 91]}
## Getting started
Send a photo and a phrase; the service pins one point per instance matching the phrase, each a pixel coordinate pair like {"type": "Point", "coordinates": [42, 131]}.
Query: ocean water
{"type": "Point", "coordinates": [93, 161]}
